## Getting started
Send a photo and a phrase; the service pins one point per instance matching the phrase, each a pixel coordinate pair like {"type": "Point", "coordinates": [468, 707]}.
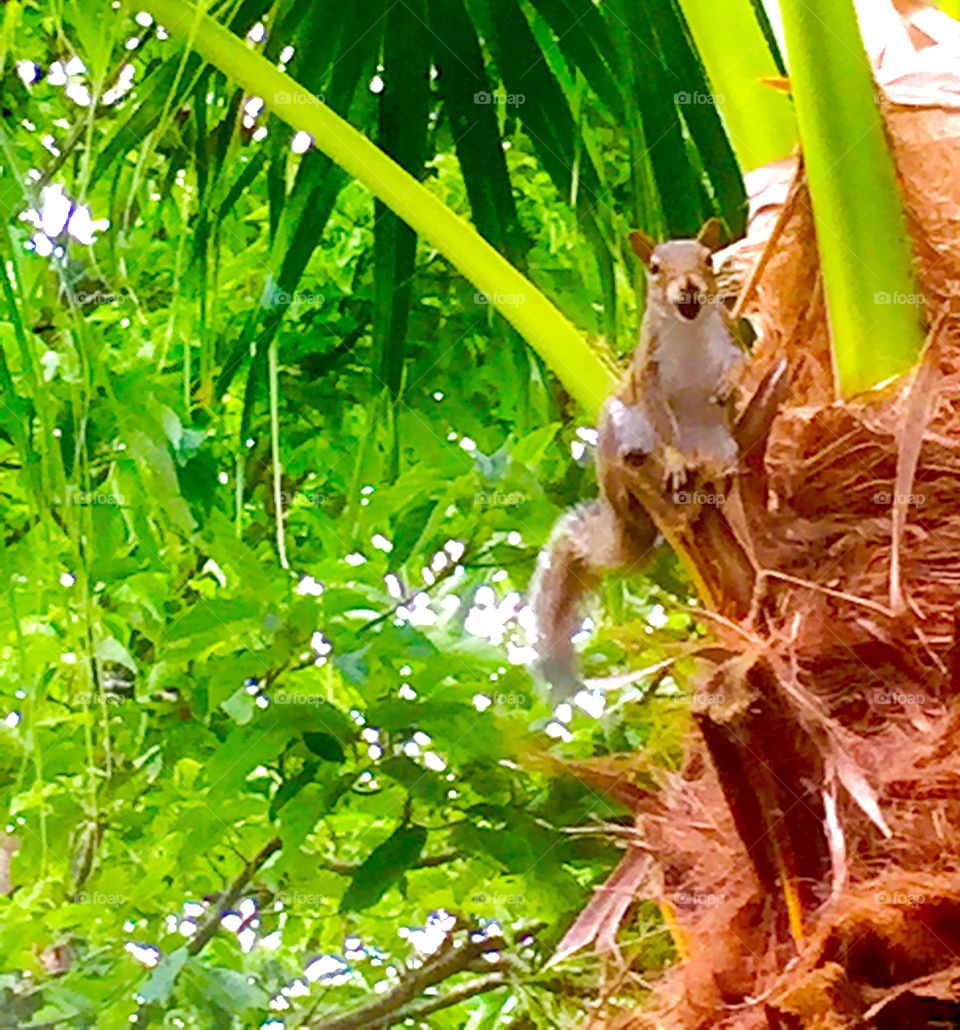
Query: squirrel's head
{"type": "Point", "coordinates": [680, 272]}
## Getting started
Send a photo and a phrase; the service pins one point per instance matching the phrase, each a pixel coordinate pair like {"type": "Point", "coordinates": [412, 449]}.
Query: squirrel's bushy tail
{"type": "Point", "coordinates": [586, 542]}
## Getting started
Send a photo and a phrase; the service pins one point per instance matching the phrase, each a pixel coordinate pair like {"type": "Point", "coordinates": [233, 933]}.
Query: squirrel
{"type": "Point", "coordinates": [674, 402]}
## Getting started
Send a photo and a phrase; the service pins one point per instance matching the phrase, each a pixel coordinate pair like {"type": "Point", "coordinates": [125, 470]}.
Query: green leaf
{"type": "Point", "coordinates": [586, 41]}
{"type": "Point", "coordinates": [111, 650]}
{"type": "Point", "coordinates": [461, 76]}
{"type": "Point", "coordinates": [682, 198]}
{"type": "Point", "coordinates": [290, 788]}
{"type": "Point", "coordinates": [698, 103]}
{"type": "Point", "coordinates": [313, 801]}
{"type": "Point", "coordinates": [383, 867]}
{"type": "Point", "coordinates": [325, 746]}
{"type": "Point", "coordinates": [95, 25]}
{"type": "Point", "coordinates": [228, 989]}
{"type": "Point", "coordinates": [551, 122]}
{"type": "Point", "coordinates": [240, 706]}
{"type": "Point", "coordinates": [159, 983]}
{"type": "Point", "coordinates": [402, 133]}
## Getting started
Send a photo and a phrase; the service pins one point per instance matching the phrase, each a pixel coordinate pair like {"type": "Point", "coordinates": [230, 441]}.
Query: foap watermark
{"type": "Point", "coordinates": [501, 300]}
{"type": "Point", "coordinates": [92, 498]}
{"type": "Point", "coordinates": [97, 697]}
{"type": "Point", "coordinates": [300, 499]}
{"type": "Point", "coordinates": [99, 898]}
{"type": "Point", "coordinates": [496, 499]}
{"type": "Point", "coordinates": [510, 700]}
{"type": "Point", "coordinates": [705, 300]}
{"type": "Point", "coordinates": [915, 300]}
{"type": "Point", "coordinates": [887, 497]}
{"type": "Point", "coordinates": [281, 697]}
{"type": "Point", "coordinates": [702, 699]}
{"type": "Point", "coordinates": [898, 697]}
{"type": "Point", "coordinates": [507, 900]}
{"type": "Point", "coordinates": [301, 99]}
{"type": "Point", "coordinates": [301, 899]}
{"type": "Point", "coordinates": [697, 899]}
{"type": "Point", "coordinates": [698, 497]}
{"type": "Point", "coordinates": [696, 97]}
{"type": "Point", "coordinates": [98, 297]}
{"type": "Point", "coordinates": [499, 99]}
{"type": "Point", "coordinates": [900, 898]}
{"type": "Point", "coordinates": [284, 298]}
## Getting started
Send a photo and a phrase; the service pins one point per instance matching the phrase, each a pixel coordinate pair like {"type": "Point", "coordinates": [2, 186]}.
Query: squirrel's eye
{"type": "Point", "coordinates": [654, 266]}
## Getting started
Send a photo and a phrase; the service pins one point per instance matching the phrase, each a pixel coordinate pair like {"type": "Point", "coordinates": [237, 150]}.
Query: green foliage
{"type": "Point", "coordinates": [273, 479]}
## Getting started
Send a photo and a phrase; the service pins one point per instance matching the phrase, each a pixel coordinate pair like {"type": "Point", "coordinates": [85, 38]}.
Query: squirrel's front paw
{"type": "Point", "coordinates": [675, 469]}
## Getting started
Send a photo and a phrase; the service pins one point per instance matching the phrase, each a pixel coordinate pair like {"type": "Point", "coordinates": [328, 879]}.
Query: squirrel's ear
{"type": "Point", "coordinates": [642, 245]}
{"type": "Point", "coordinates": [711, 235]}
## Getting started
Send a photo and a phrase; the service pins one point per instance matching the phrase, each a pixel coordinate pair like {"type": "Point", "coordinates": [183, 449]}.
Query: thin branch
{"type": "Point", "coordinates": [830, 592]}
{"type": "Point", "coordinates": [427, 862]}
{"type": "Point", "coordinates": [493, 982]}
{"type": "Point", "coordinates": [408, 599]}
{"type": "Point", "coordinates": [227, 900]}
{"type": "Point", "coordinates": [457, 955]}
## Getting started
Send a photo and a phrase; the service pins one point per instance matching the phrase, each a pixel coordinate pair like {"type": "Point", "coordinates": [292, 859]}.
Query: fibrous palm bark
{"type": "Point", "coordinates": [808, 855]}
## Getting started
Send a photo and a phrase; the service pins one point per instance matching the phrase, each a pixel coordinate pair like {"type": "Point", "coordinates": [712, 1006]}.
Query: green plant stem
{"type": "Point", "coordinates": [865, 252]}
{"type": "Point", "coordinates": [759, 120]}
{"type": "Point", "coordinates": [587, 373]}
{"type": "Point", "coordinates": [275, 452]}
